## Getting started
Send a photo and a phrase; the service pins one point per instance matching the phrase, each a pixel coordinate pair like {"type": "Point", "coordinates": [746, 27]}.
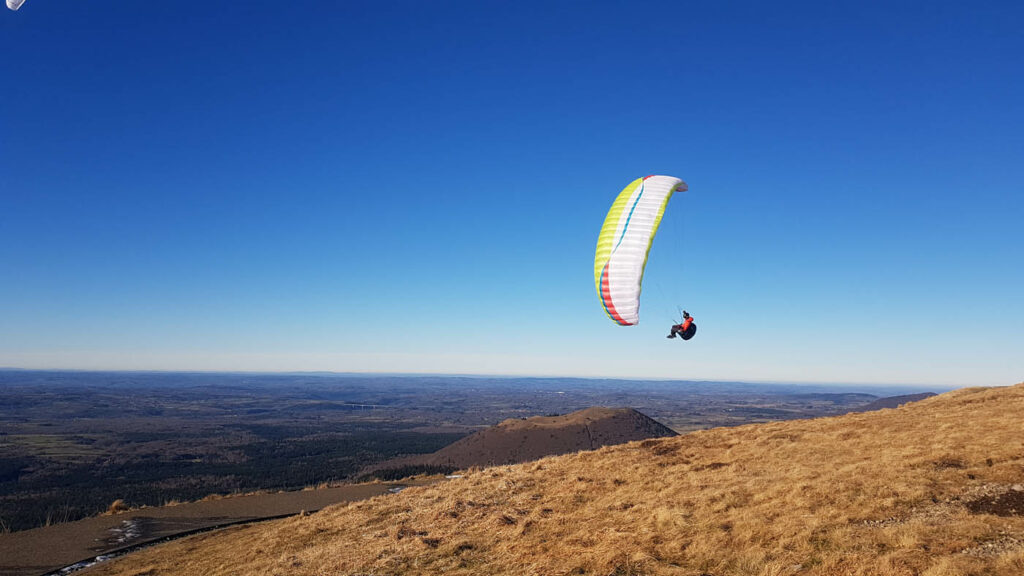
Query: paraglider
{"type": "Point", "coordinates": [685, 329]}
{"type": "Point", "coordinates": [15, 4]}
{"type": "Point", "coordinates": [625, 241]}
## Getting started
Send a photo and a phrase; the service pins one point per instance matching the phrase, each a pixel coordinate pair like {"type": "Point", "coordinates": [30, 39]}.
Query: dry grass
{"type": "Point", "coordinates": [883, 493]}
{"type": "Point", "coordinates": [117, 506]}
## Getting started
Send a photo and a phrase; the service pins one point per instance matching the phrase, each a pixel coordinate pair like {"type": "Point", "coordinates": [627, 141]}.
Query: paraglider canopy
{"type": "Point", "coordinates": [624, 242]}
{"type": "Point", "coordinates": [15, 4]}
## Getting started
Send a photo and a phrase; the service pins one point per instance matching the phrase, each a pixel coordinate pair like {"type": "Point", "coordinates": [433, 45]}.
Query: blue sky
{"type": "Point", "coordinates": [418, 187]}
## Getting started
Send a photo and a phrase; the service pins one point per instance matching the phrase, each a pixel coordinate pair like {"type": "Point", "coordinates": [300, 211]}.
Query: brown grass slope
{"type": "Point", "coordinates": [524, 439]}
{"type": "Point", "coordinates": [931, 488]}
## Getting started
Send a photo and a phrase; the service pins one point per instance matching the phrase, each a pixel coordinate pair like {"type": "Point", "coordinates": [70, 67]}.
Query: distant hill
{"type": "Point", "coordinates": [524, 439]}
{"type": "Point", "coordinates": [931, 488]}
{"type": "Point", "coordinates": [893, 401]}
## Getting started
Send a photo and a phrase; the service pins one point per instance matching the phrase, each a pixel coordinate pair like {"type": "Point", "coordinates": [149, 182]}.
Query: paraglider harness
{"type": "Point", "coordinates": [689, 332]}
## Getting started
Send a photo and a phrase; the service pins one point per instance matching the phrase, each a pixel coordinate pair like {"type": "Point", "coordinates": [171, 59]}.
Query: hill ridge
{"type": "Point", "coordinates": [517, 440]}
{"type": "Point", "coordinates": [894, 401]}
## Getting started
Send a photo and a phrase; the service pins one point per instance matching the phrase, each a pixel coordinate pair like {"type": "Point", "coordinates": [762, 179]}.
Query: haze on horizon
{"type": "Point", "coordinates": [418, 187]}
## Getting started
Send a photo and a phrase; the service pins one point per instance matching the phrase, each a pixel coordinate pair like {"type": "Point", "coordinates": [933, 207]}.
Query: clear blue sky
{"type": "Point", "coordinates": [418, 187]}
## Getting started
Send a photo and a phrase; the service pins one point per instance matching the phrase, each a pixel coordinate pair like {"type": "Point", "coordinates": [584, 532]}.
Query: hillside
{"type": "Point", "coordinates": [894, 401]}
{"type": "Point", "coordinates": [524, 439]}
{"type": "Point", "coordinates": [933, 488]}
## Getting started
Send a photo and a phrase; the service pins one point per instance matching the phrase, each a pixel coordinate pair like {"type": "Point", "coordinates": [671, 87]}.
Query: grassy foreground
{"type": "Point", "coordinates": [930, 489]}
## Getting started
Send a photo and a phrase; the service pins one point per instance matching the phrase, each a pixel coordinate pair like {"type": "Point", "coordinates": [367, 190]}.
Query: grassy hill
{"type": "Point", "coordinates": [894, 401]}
{"type": "Point", "coordinates": [933, 488]}
{"type": "Point", "coordinates": [519, 440]}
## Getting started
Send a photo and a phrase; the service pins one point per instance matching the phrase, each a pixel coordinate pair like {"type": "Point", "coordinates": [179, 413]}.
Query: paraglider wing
{"type": "Point", "coordinates": [624, 242]}
{"type": "Point", "coordinates": [15, 4]}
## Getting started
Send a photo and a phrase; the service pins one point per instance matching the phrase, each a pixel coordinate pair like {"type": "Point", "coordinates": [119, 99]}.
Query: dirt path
{"type": "Point", "coordinates": [43, 550]}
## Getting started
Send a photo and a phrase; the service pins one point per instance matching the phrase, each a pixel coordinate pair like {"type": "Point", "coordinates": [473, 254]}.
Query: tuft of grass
{"type": "Point", "coordinates": [117, 506]}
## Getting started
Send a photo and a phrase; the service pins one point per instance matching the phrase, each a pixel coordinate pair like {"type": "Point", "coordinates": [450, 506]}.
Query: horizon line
{"type": "Point", "coordinates": [946, 387]}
